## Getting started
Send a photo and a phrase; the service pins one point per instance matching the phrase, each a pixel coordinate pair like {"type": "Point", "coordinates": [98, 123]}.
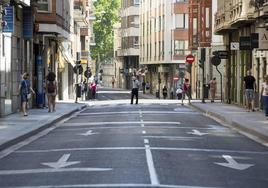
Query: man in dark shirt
{"type": "Point", "coordinates": [249, 89]}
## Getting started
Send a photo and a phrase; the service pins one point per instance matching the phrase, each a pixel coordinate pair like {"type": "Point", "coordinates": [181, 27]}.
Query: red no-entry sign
{"type": "Point", "coordinates": [190, 59]}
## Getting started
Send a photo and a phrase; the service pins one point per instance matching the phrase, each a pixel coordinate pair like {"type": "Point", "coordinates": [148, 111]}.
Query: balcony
{"type": "Point", "coordinates": [79, 12]}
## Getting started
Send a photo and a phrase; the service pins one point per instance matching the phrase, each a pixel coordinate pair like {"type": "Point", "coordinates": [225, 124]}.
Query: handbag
{"type": "Point", "coordinates": [29, 96]}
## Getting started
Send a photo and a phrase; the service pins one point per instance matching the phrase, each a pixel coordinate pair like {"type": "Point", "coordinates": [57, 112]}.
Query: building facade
{"type": "Point", "coordinates": [163, 42]}
{"type": "Point", "coordinates": [200, 36]}
{"type": "Point", "coordinates": [127, 52]}
{"type": "Point", "coordinates": [38, 37]}
{"type": "Point", "coordinates": [15, 51]}
{"type": "Point", "coordinates": [243, 22]}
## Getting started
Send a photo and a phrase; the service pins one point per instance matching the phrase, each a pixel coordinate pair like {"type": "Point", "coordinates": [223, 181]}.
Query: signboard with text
{"type": "Point", "coordinates": [263, 38]}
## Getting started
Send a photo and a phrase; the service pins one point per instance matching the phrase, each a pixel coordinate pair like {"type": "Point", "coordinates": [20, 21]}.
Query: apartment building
{"type": "Point", "coordinates": [163, 42]}
{"type": "Point", "coordinates": [243, 22]}
{"type": "Point", "coordinates": [200, 36]}
{"type": "Point", "coordinates": [51, 41]}
{"type": "Point", "coordinates": [37, 37]}
{"type": "Point", "coordinates": [127, 52]}
{"type": "Point", "coordinates": [15, 57]}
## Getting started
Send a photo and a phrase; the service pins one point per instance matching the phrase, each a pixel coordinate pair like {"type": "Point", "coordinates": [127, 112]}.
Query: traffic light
{"type": "Point", "coordinates": [78, 69]}
{"type": "Point", "coordinates": [202, 58]}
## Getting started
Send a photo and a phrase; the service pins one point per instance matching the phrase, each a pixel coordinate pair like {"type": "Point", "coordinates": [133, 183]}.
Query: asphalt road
{"type": "Point", "coordinates": [145, 145]}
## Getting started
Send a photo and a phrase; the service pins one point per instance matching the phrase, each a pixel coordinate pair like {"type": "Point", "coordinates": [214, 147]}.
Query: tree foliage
{"type": "Point", "coordinates": [106, 12]}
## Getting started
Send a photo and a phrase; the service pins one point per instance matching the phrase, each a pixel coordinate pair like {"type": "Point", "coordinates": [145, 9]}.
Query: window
{"type": "Point", "coordinates": [179, 1]}
{"type": "Point", "coordinates": [136, 2]}
{"type": "Point", "coordinates": [44, 5]}
{"type": "Point", "coordinates": [180, 47]}
{"type": "Point", "coordinates": [181, 21]}
{"type": "Point", "coordinates": [136, 41]}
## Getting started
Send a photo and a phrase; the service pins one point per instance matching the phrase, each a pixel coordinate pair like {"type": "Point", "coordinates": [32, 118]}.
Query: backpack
{"type": "Point", "coordinates": [51, 88]}
{"type": "Point", "coordinates": [186, 86]}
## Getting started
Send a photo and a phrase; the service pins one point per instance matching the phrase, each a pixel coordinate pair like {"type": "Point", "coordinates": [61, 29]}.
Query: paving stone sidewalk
{"type": "Point", "coordinates": [15, 127]}
{"type": "Point", "coordinates": [252, 123]}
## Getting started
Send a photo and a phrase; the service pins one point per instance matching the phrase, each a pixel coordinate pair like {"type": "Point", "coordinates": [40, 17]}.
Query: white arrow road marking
{"type": "Point", "coordinates": [233, 164]}
{"type": "Point", "coordinates": [62, 162]}
{"type": "Point", "coordinates": [88, 133]}
{"type": "Point", "coordinates": [197, 132]}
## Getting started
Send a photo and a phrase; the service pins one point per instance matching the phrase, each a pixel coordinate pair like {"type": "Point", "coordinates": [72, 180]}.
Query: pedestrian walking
{"type": "Point", "coordinates": [84, 89]}
{"type": "Point", "coordinates": [51, 91]}
{"type": "Point", "coordinates": [164, 90]}
{"type": "Point", "coordinates": [213, 88]}
{"type": "Point", "coordinates": [249, 90]}
{"type": "Point", "coordinates": [135, 89]}
{"type": "Point", "coordinates": [143, 86]}
{"type": "Point", "coordinates": [25, 90]}
{"type": "Point", "coordinates": [93, 87]}
{"type": "Point", "coordinates": [264, 93]}
{"type": "Point", "coordinates": [113, 81]}
{"type": "Point", "coordinates": [171, 93]}
{"type": "Point", "coordinates": [186, 90]}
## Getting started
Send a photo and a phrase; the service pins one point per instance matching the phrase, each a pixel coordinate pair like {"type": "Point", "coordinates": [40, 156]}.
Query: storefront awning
{"type": "Point", "coordinates": [67, 55]}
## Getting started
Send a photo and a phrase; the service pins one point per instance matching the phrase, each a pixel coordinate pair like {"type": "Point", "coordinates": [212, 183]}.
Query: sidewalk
{"type": "Point", "coordinates": [15, 127]}
{"type": "Point", "coordinates": [252, 123]}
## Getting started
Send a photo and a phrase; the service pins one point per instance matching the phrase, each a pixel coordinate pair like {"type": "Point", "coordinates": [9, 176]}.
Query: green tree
{"type": "Point", "coordinates": [106, 12]}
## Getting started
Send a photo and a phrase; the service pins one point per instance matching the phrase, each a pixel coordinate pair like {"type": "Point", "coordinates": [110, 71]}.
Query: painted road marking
{"type": "Point", "coordinates": [148, 126]}
{"type": "Point", "coordinates": [197, 132]}
{"type": "Point", "coordinates": [62, 162]}
{"type": "Point", "coordinates": [174, 138]}
{"type": "Point", "coordinates": [112, 185]}
{"type": "Point", "coordinates": [143, 132]}
{"type": "Point", "coordinates": [142, 148]}
{"type": "Point", "coordinates": [50, 170]}
{"type": "Point", "coordinates": [122, 123]}
{"type": "Point", "coordinates": [137, 112]}
{"type": "Point", "coordinates": [231, 163]}
{"type": "Point", "coordinates": [146, 141]}
{"type": "Point", "coordinates": [88, 133]}
{"type": "Point", "coordinates": [150, 163]}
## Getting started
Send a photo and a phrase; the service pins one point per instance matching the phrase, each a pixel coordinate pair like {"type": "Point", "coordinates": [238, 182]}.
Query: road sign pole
{"type": "Point", "coordinates": [221, 80]}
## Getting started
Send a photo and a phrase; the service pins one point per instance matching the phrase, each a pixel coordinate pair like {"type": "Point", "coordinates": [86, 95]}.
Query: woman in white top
{"type": "Point", "coordinates": [264, 92]}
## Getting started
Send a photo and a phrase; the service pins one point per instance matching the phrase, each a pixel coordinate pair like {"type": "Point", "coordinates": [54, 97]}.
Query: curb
{"type": "Point", "coordinates": [39, 129]}
{"type": "Point", "coordinates": [236, 125]}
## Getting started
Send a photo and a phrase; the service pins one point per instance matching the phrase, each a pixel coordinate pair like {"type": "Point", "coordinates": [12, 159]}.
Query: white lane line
{"type": "Point", "coordinates": [111, 185]}
{"type": "Point", "coordinates": [142, 148]}
{"type": "Point", "coordinates": [146, 141]}
{"type": "Point", "coordinates": [143, 132]}
{"type": "Point", "coordinates": [175, 138]}
{"type": "Point", "coordinates": [150, 163]}
{"type": "Point", "coordinates": [135, 112]}
{"type": "Point", "coordinates": [122, 123]}
{"type": "Point", "coordinates": [49, 170]}
{"type": "Point", "coordinates": [134, 127]}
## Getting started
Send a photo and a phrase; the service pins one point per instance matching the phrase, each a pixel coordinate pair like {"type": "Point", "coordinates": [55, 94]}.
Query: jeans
{"type": "Point", "coordinates": [265, 104]}
{"type": "Point", "coordinates": [135, 92]}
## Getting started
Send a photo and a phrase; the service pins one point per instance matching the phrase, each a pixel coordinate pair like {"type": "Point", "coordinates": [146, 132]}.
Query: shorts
{"type": "Point", "coordinates": [250, 94]}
